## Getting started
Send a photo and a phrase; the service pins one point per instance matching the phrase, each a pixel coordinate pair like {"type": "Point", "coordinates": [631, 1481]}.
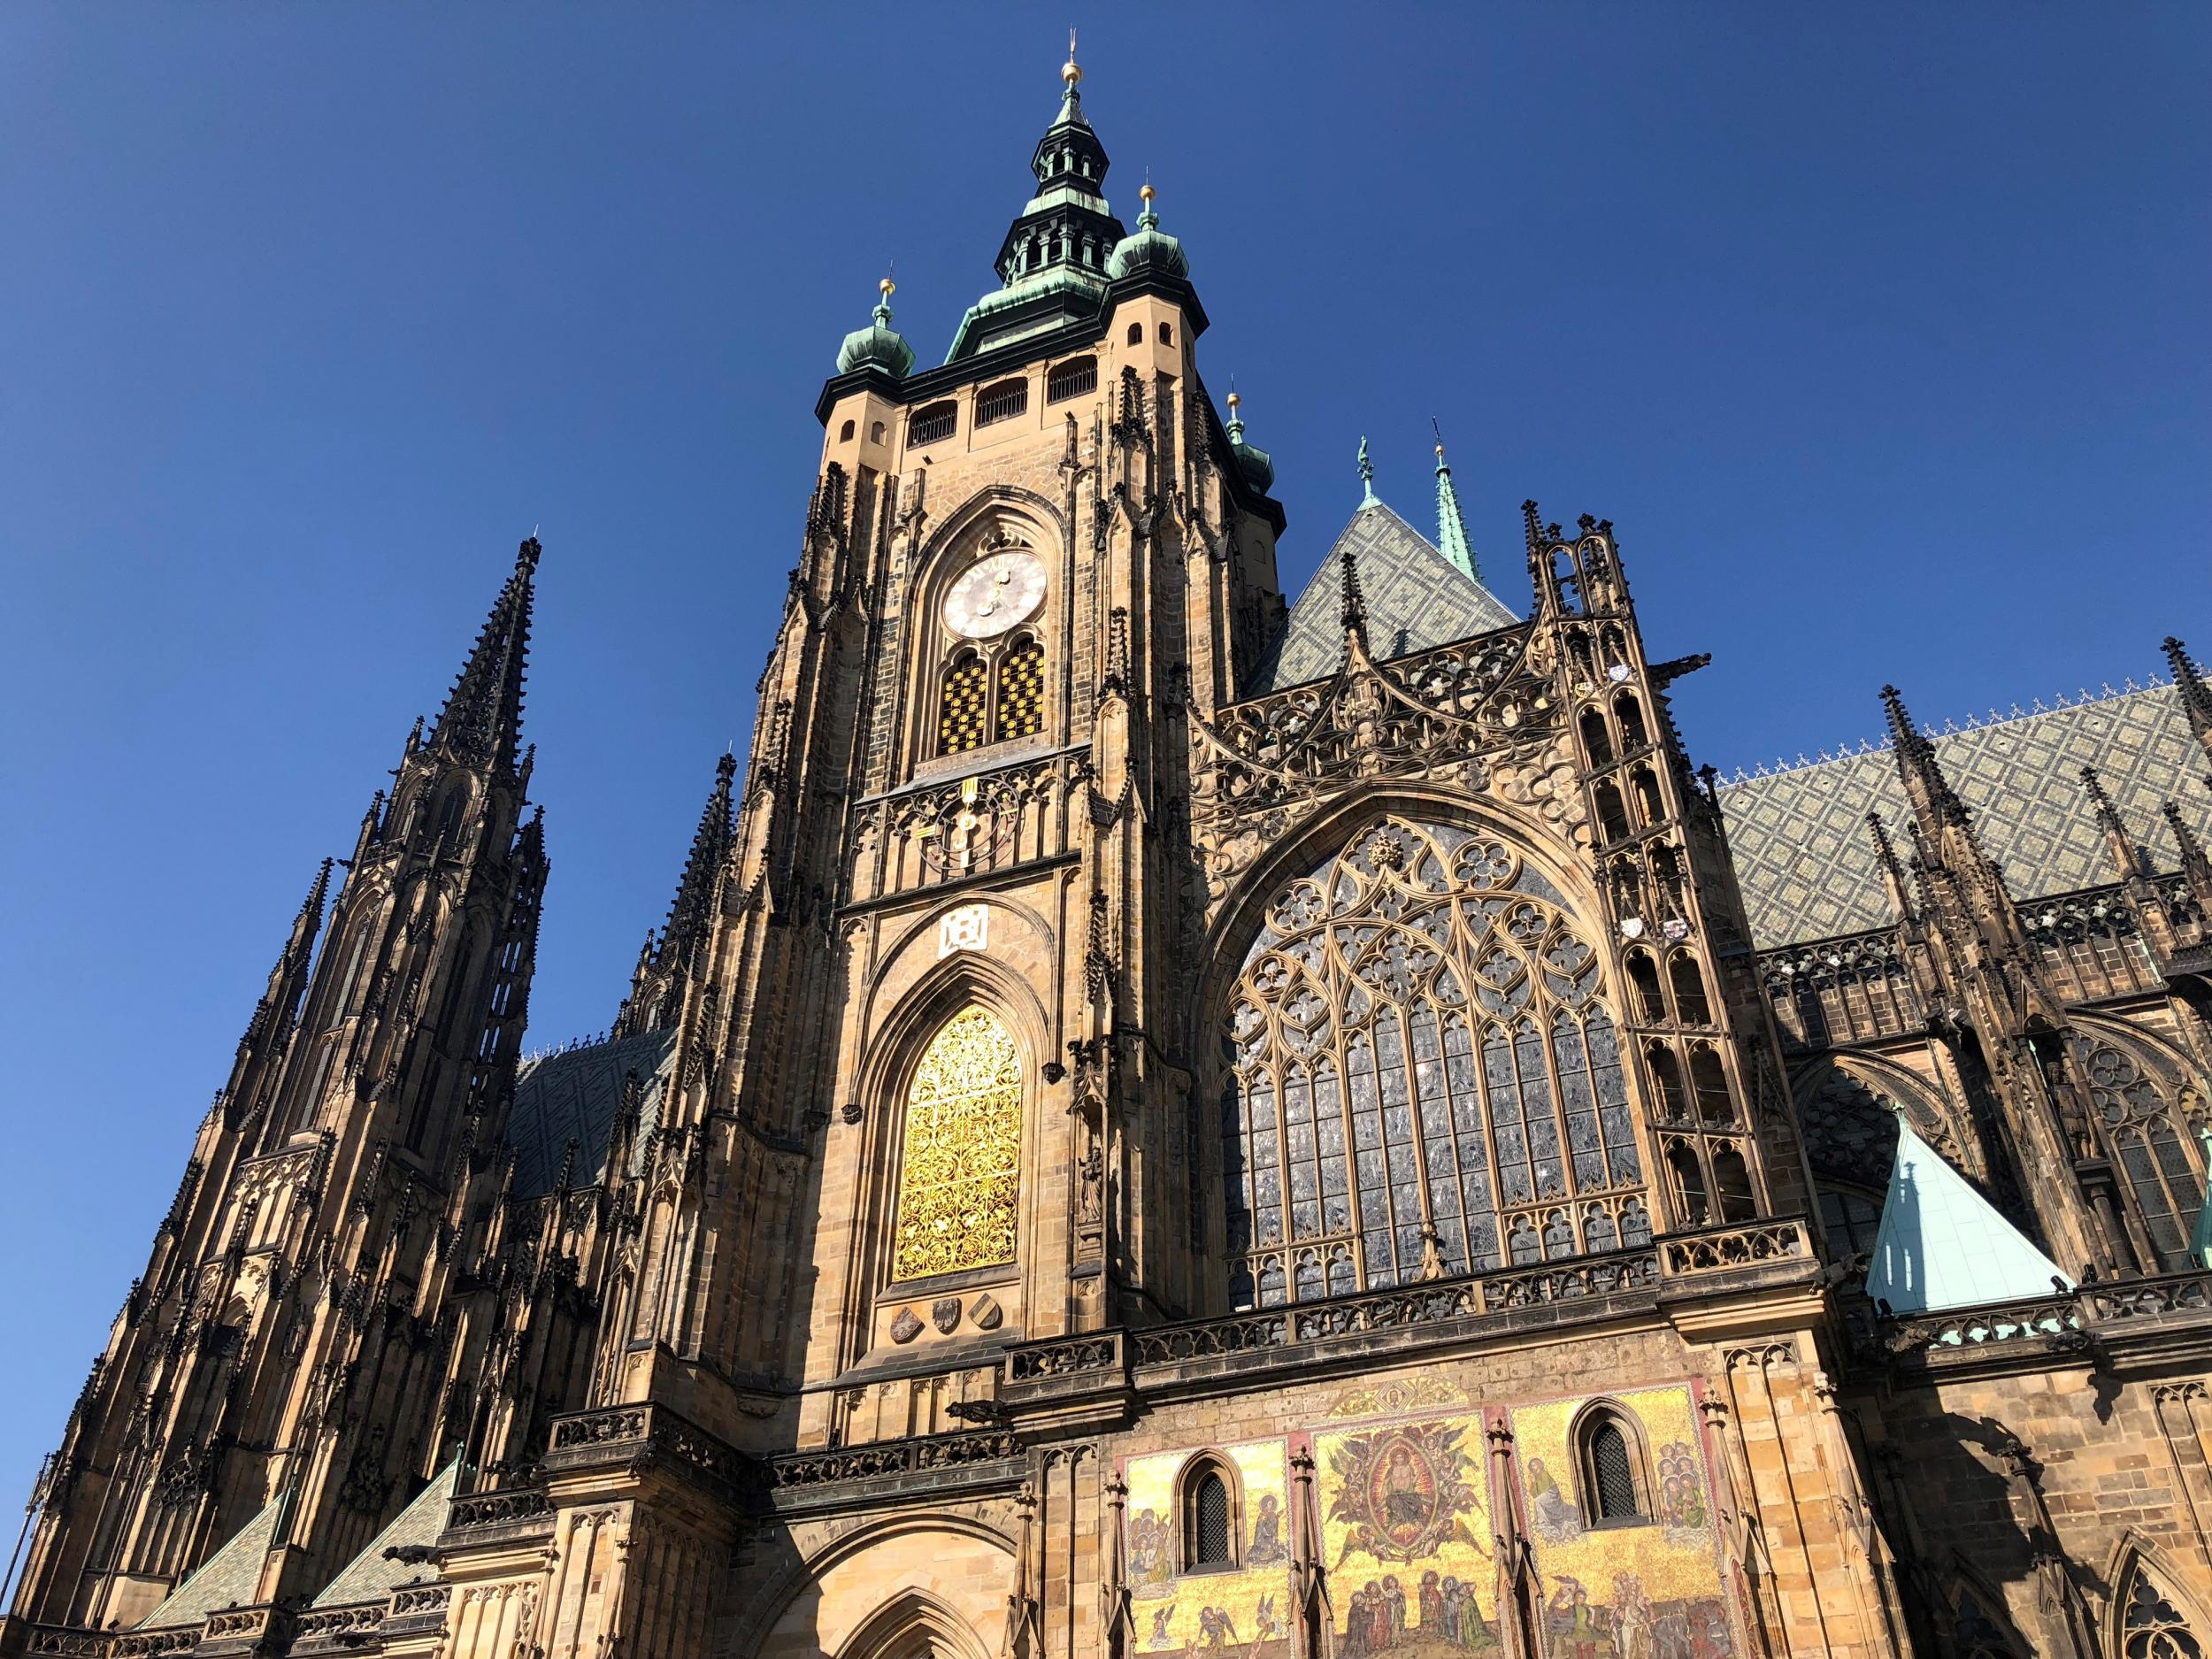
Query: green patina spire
{"type": "Point", "coordinates": [1367, 477]}
{"type": "Point", "coordinates": [1451, 527]}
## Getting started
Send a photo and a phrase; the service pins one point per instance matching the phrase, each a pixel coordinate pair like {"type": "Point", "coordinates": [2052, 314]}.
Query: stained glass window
{"type": "Point", "coordinates": [959, 1175]}
{"type": "Point", "coordinates": [2148, 1143]}
{"type": "Point", "coordinates": [1422, 1068]}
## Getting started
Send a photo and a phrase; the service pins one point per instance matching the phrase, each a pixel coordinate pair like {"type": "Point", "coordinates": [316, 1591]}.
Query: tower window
{"type": "Point", "coordinates": [1166, 334]}
{"type": "Point", "coordinates": [845, 433]}
{"type": "Point", "coordinates": [1002, 402]}
{"type": "Point", "coordinates": [1594, 738]}
{"type": "Point", "coordinates": [963, 705]}
{"type": "Point", "coordinates": [1650, 1004]}
{"type": "Point", "coordinates": [1072, 378]}
{"type": "Point", "coordinates": [1021, 691]}
{"type": "Point", "coordinates": [875, 432]}
{"type": "Point", "coordinates": [1136, 334]}
{"type": "Point", "coordinates": [1209, 1529]}
{"type": "Point", "coordinates": [1690, 1006]}
{"type": "Point", "coordinates": [932, 424]}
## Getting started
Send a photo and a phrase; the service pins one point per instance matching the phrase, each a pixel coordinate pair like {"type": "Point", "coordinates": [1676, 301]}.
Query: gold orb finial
{"type": "Point", "coordinates": [1147, 193]}
{"type": "Point", "coordinates": [1071, 70]}
{"type": "Point", "coordinates": [886, 287]}
{"type": "Point", "coordinates": [1234, 401]}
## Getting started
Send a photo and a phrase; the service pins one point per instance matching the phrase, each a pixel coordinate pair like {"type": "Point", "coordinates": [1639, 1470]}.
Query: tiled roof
{"type": "Point", "coordinates": [1415, 598]}
{"type": "Point", "coordinates": [574, 1094]}
{"type": "Point", "coordinates": [1806, 860]}
{"type": "Point", "coordinates": [229, 1578]}
{"type": "Point", "coordinates": [368, 1575]}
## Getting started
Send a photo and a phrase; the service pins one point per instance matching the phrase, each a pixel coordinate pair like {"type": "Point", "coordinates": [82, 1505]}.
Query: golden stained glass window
{"type": "Point", "coordinates": [960, 1178]}
{"type": "Point", "coordinates": [961, 709]}
{"type": "Point", "coordinates": [1021, 691]}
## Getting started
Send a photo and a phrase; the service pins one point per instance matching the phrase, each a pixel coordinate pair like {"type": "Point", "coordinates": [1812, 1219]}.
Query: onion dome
{"type": "Point", "coordinates": [878, 346]}
{"type": "Point", "coordinates": [1148, 250]}
{"type": "Point", "coordinates": [1259, 471]}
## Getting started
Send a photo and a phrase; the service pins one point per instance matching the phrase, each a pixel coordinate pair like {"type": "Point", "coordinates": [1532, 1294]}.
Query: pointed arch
{"type": "Point", "coordinates": [2151, 1617]}
{"type": "Point", "coordinates": [2144, 1094]}
{"type": "Point", "coordinates": [913, 1624]}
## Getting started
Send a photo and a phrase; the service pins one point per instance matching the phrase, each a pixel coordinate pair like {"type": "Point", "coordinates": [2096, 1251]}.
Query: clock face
{"type": "Point", "coordinates": [1000, 591]}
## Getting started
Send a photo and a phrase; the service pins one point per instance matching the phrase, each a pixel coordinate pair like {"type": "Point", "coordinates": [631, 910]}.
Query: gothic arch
{"type": "Point", "coordinates": [913, 1624]}
{"type": "Point", "coordinates": [776, 1598]}
{"type": "Point", "coordinates": [1417, 1065]}
{"type": "Point", "coordinates": [915, 933]}
{"type": "Point", "coordinates": [2148, 1101]}
{"type": "Point", "coordinates": [1850, 1138]}
{"type": "Point", "coordinates": [2151, 1616]}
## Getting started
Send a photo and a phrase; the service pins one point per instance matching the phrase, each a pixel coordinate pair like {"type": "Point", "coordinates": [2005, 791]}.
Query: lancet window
{"type": "Point", "coordinates": [1423, 1077]}
{"type": "Point", "coordinates": [992, 692]}
{"type": "Point", "coordinates": [2148, 1142]}
{"type": "Point", "coordinates": [960, 1168]}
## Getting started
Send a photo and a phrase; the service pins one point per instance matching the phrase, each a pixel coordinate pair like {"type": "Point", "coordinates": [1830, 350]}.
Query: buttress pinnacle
{"type": "Point", "coordinates": [481, 722]}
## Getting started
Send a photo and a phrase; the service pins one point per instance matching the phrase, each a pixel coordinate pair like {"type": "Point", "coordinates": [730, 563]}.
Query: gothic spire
{"type": "Point", "coordinates": [1451, 525]}
{"type": "Point", "coordinates": [2194, 864]}
{"type": "Point", "coordinates": [691, 915]}
{"type": "Point", "coordinates": [481, 722]}
{"type": "Point", "coordinates": [1354, 612]}
{"type": "Point", "coordinates": [1925, 785]}
{"type": "Point", "coordinates": [2125, 855]}
{"type": "Point", "coordinates": [2196, 696]}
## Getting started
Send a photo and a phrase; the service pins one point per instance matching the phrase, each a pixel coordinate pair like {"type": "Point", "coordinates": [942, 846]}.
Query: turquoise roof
{"type": "Point", "coordinates": [1942, 1245]}
{"type": "Point", "coordinates": [878, 345]}
{"type": "Point", "coordinates": [1148, 248]}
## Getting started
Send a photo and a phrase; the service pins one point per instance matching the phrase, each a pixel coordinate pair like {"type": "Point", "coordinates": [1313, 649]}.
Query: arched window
{"type": "Point", "coordinates": [1209, 1529]}
{"type": "Point", "coordinates": [1851, 1218]}
{"type": "Point", "coordinates": [1689, 1184]}
{"type": "Point", "coordinates": [1612, 816]}
{"type": "Point", "coordinates": [934, 424]}
{"type": "Point", "coordinates": [1731, 1184]}
{"type": "Point", "coordinates": [1421, 1063]}
{"type": "Point", "coordinates": [1002, 402]}
{"type": "Point", "coordinates": [1690, 1006]}
{"type": "Point", "coordinates": [1648, 801]}
{"type": "Point", "coordinates": [1136, 334]}
{"type": "Point", "coordinates": [963, 705]}
{"type": "Point", "coordinates": [845, 433]}
{"type": "Point", "coordinates": [1166, 334]}
{"type": "Point", "coordinates": [2148, 1144]}
{"type": "Point", "coordinates": [960, 1163]}
{"type": "Point", "coordinates": [1674, 1100]}
{"type": "Point", "coordinates": [1020, 693]}
{"type": "Point", "coordinates": [1643, 975]}
{"type": "Point", "coordinates": [2151, 1626]}
{"type": "Point", "coordinates": [1597, 742]}
{"type": "Point", "coordinates": [1709, 1081]}
{"type": "Point", "coordinates": [1610, 1467]}
{"type": "Point", "coordinates": [875, 432]}
{"type": "Point", "coordinates": [1072, 378]}
{"type": "Point", "coordinates": [1630, 713]}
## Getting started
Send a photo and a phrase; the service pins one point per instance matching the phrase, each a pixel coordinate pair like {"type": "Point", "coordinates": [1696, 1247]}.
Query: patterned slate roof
{"type": "Point", "coordinates": [369, 1577]}
{"type": "Point", "coordinates": [229, 1578]}
{"type": "Point", "coordinates": [1806, 861]}
{"type": "Point", "coordinates": [1415, 598]}
{"type": "Point", "coordinates": [574, 1094]}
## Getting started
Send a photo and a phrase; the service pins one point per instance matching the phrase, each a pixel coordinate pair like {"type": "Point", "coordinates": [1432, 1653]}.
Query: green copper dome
{"type": "Point", "coordinates": [878, 346]}
{"type": "Point", "coordinates": [1148, 249]}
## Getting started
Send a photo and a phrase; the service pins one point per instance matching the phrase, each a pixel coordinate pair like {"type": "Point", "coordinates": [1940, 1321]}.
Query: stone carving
{"type": "Point", "coordinates": [986, 1313]}
{"type": "Point", "coordinates": [905, 1326]}
{"type": "Point", "coordinates": [944, 1313]}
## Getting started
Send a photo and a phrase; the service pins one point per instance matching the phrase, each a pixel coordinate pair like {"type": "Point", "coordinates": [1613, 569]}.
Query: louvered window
{"type": "Point", "coordinates": [1003, 401]}
{"type": "Point", "coordinates": [932, 424]}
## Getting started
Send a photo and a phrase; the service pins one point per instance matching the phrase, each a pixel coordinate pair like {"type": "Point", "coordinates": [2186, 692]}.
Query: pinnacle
{"type": "Point", "coordinates": [481, 721]}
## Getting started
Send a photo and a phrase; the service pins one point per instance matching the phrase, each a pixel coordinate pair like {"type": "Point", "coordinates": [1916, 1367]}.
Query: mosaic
{"type": "Point", "coordinates": [1404, 1525]}
{"type": "Point", "coordinates": [1244, 1611]}
{"type": "Point", "coordinates": [1647, 1589]}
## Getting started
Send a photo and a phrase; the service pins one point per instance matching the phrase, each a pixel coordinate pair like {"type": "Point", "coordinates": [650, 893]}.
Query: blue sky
{"type": "Point", "coordinates": [1880, 331]}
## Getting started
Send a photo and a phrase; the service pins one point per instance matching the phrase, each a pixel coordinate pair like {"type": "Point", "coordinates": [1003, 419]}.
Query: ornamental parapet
{"type": "Point", "coordinates": [511, 1514]}
{"type": "Point", "coordinates": [636, 1436]}
{"type": "Point", "coordinates": [2024, 1332]}
{"type": "Point", "coordinates": [329, 1630]}
{"type": "Point", "coordinates": [855, 1475]}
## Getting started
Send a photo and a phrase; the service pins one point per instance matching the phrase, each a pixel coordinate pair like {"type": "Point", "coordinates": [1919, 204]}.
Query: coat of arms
{"type": "Point", "coordinates": [1401, 1492]}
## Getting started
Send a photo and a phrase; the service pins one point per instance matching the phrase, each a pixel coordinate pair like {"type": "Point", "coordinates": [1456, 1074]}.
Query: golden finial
{"type": "Point", "coordinates": [888, 288]}
{"type": "Point", "coordinates": [1071, 70]}
{"type": "Point", "coordinates": [1234, 400]}
{"type": "Point", "coordinates": [1147, 193]}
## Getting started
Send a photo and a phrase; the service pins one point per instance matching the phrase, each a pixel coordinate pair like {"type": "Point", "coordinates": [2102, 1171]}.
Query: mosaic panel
{"type": "Point", "coordinates": [1626, 1591]}
{"type": "Point", "coordinates": [1405, 1530]}
{"type": "Point", "coordinates": [1246, 1611]}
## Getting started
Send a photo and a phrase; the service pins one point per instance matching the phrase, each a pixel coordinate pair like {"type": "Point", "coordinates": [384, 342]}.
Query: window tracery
{"type": "Point", "coordinates": [1421, 1069]}
{"type": "Point", "coordinates": [2151, 1626]}
{"type": "Point", "coordinates": [2148, 1144]}
{"type": "Point", "coordinates": [959, 1173]}
{"type": "Point", "coordinates": [963, 705]}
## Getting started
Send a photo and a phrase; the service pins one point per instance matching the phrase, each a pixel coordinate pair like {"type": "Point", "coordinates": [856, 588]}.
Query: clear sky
{"type": "Point", "coordinates": [1881, 333]}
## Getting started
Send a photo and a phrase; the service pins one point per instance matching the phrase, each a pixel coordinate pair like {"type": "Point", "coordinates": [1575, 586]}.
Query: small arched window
{"type": "Point", "coordinates": [845, 433]}
{"type": "Point", "coordinates": [1136, 334]}
{"type": "Point", "coordinates": [1689, 1184]}
{"type": "Point", "coordinates": [934, 424]}
{"type": "Point", "coordinates": [1167, 334]}
{"type": "Point", "coordinates": [1690, 1006]}
{"type": "Point", "coordinates": [1647, 801]}
{"type": "Point", "coordinates": [1002, 402]}
{"type": "Point", "coordinates": [1644, 976]}
{"type": "Point", "coordinates": [1596, 741]}
{"type": "Point", "coordinates": [1731, 1184]}
{"type": "Point", "coordinates": [962, 707]}
{"type": "Point", "coordinates": [875, 432]}
{"type": "Point", "coordinates": [1612, 816]}
{"type": "Point", "coordinates": [1612, 1481]}
{"type": "Point", "coordinates": [1852, 1218]}
{"type": "Point", "coordinates": [1209, 1532]}
{"type": "Point", "coordinates": [1630, 713]}
{"type": "Point", "coordinates": [1674, 1100]}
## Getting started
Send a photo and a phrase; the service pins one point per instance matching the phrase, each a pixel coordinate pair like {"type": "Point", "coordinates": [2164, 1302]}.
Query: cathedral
{"type": "Point", "coordinates": [1165, 1117]}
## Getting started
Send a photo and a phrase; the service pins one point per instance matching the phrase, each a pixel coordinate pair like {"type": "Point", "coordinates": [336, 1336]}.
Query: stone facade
{"type": "Point", "coordinates": [1115, 1153]}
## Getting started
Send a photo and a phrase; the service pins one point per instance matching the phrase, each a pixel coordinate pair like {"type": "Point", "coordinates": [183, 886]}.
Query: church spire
{"type": "Point", "coordinates": [481, 721]}
{"type": "Point", "coordinates": [690, 917]}
{"type": "Point", "coordinates": [1451, 526]}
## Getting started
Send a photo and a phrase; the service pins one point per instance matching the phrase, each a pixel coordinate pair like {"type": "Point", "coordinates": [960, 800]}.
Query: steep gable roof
{"type": "Point", "coordinates": [229, 1578]}
{"type": "Point", "coordinates": [1415, 598]}
{"type": "Point", "coordinates": [574, 1094]}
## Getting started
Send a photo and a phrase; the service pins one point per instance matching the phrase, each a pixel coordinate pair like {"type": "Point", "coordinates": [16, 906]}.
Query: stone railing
{"type": "Point", "coordinates": [624, 1433]}
{"type": "Point", "coordinates": [1065, 1356]}
{"type": "Point", "coordinates": [245, 1627]}
{"type": "Point", "coordinates": [2075, 1321]}
{"type": "Point", "coordinates": [420, 1600]}
{"type": "Point", "coordinates": [325, 1629]}
{"type": "Point", "coordinates": [477, 1511]}
{"type": "Point", "coordinates": [795, 1470]}
{"type": "Point", "coordinates": [1718, 1249]}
